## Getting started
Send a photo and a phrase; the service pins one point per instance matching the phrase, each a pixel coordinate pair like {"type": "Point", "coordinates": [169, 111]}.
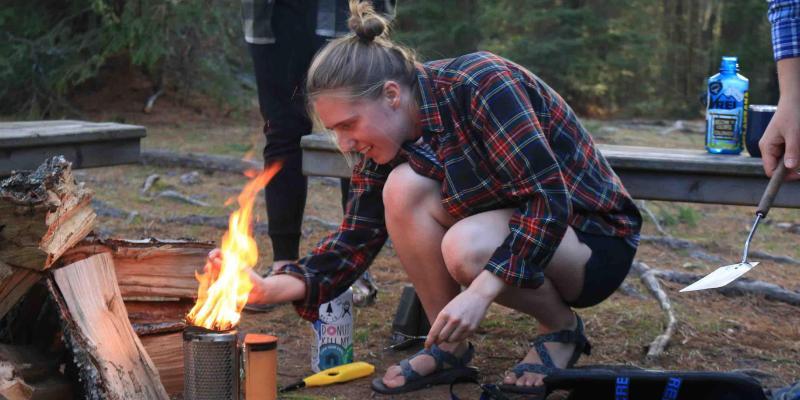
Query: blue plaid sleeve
{"type": "Point", "coordinates": [340, 258]}
{"type": "Point", "coordinates": [784, 15]}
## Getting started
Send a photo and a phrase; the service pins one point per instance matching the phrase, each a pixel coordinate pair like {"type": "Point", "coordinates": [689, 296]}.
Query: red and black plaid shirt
{"type": "Point", "coordinates": [496, 136]}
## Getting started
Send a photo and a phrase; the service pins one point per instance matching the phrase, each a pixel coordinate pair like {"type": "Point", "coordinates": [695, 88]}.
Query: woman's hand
{"type": "Point", "coordinates": [782, 136]}
{"type": "Point", "coordinates": [260, 292]}
{"type": "Point", "coordinates": [459, 319]}
{"type": "Point", "coordinates": [461, 316]}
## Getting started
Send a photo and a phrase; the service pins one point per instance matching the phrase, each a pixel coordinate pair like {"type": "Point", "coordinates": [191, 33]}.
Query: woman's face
{"type": "Point", "coordinates": [375, 128]}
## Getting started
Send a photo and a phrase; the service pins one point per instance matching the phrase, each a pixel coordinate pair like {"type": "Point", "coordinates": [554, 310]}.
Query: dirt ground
{"type": "Point", "coordinates": [715, 332]}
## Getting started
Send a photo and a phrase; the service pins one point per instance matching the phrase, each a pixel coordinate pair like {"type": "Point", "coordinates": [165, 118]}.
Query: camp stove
{"type": "Point", "coordinates": [211, 364]}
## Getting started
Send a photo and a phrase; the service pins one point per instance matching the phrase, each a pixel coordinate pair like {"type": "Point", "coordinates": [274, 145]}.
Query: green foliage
{"type": "Point", "coordinates": [438, 29]}
{"type": "Point", "coordinates": [51, 47]}
{"type": "Point", "coordinates": [688, 216]}
{"type": "Point", "coordinates": [681, 215]}
{"type": "Point", "coordinates": [636, 57]}
{"type": "Point", "coordinates": [611, 58]}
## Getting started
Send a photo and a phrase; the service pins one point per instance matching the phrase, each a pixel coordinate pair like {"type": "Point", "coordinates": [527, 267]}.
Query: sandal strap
{"type": "Point", "coordinates": [407, 371]}
{"type": "Point", "coordinates": [444, 357]}
{"type": "Point", "coordinates": [522, 368]}
{"type": "Point", "coordinates": [441, 357]}
{"type": "Point", "coordinates": [576, 336]}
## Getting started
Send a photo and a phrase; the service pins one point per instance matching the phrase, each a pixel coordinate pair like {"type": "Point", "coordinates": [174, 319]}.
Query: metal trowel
{"type": "Point", "coordinates": [727, 274]}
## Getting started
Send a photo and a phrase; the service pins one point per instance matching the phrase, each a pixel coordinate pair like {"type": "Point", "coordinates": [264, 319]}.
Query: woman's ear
{"type": "Point", "coordinates": [391, 93]}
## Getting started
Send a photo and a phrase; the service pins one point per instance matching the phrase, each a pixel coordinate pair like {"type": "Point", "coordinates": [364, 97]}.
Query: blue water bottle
{"type": "Point", "coordinates": [726, 105]}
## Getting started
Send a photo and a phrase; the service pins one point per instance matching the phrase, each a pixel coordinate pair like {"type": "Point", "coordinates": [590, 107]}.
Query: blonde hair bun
{"type": "Point", "coordinates": [365, 22]}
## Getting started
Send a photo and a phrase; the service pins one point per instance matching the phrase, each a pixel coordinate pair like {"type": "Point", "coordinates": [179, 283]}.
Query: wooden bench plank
{"type": "Point", "coordinates": [25, 145]}
{"type": "Point", "coordinates": [647, 172]}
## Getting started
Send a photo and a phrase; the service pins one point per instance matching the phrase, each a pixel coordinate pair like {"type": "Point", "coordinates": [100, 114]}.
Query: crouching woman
{"type": "Point", "coordinates": [488, 185]}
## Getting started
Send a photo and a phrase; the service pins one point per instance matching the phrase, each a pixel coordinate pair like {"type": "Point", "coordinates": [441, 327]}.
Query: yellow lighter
{"type": "Point", "coordinates": [338, 374]}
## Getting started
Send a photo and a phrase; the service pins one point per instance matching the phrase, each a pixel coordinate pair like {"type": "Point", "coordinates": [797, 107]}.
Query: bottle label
{"type": "Point", "coordinates": [725, 117]}
{"type": "Point", "coordinates": [333, 333]}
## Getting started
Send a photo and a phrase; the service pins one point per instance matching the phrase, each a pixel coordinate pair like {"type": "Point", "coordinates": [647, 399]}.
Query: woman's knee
{"type": "Point", "coordinates": [404, 191]}
{"type": "Point", "coordinates": [464, 254]}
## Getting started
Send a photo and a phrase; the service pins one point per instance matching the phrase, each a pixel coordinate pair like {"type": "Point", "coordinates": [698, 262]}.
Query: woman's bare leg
{"type": "Point", "coordinates": [417, 222]}
{"type": "Point", "coordinates": [467, 247]}
{"type": "Point", "coordinates": [439, 253]}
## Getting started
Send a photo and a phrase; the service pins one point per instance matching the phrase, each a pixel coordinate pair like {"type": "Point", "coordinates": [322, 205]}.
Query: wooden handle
{"type": "Point", "coordinates": [778, 175]}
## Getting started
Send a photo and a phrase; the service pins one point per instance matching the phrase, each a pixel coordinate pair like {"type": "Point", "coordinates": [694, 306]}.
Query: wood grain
{"type": "Point", "coordinates": [100, 321]}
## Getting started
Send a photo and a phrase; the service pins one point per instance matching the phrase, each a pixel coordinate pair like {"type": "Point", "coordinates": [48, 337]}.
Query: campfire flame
{"type": "Point", "coordinates": [222, 294]}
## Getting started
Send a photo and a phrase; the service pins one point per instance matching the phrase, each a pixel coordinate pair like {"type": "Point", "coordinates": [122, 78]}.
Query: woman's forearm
{"type": "Point", "coordinates": [276, 289]}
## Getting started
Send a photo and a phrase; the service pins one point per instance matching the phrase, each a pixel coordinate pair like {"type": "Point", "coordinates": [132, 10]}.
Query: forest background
{"type": "Point", "coordinates": [614, 58]}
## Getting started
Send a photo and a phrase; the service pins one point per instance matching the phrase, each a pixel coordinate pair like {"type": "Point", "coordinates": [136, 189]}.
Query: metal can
{"type": "Point", "coordinates": [332, 342]}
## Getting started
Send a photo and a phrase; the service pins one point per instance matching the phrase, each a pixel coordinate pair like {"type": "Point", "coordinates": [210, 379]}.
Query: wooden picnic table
{"type": "Point", "coordinates": [25, 145]}
{"type": "Point", "coordinates": [649, 173]}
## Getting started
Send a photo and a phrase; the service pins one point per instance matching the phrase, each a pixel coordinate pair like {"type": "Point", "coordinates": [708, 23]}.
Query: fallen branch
{"type": "Point", "coordinates": [171, 194]}
{"type": "Point", "coordinates": [106, 210]}
{"type": "Point", "coordinates": [643, 206]}
{"type": "Point", "coordinates": [148, 183]}
{"type": "Point", "coordinates": [694, 249]}
{"type": "Point", "coordinates": [631, 291]}
{"type": "Point", "coordinates": [739, 287]}
{"type": "Point", "coordinates": [648, 277]}
{"type": "Point", "coordinates": [205, 162]}
{"type": "Point", "coordinates": [779, 259]}
{"type": "Point", "coordinates": [148, 105]}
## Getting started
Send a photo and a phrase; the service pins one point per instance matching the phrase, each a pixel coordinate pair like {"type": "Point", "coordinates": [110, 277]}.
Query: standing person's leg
{"type": "Point", "coordinates": [280, 83]}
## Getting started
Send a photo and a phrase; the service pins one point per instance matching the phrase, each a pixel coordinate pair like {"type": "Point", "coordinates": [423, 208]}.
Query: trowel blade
{"type": "Point", "coordinates": [721, 276]}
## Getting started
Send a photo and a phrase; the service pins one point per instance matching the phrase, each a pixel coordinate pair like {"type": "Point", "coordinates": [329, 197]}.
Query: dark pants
{"type": "Point", "coordinates": [280, 70]}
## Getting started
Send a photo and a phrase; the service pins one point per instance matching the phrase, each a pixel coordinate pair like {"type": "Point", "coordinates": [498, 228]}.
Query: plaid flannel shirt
{"type": "Point", "coordinates": [784, 15]}
{"type": "Point", "coordinates": [332, 17]}
{"type": "Point", "coordinates": [496, 137]}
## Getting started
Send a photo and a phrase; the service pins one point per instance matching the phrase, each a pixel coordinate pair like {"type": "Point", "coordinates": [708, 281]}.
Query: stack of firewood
{"type": "Point", "coordinates": [83, 317]}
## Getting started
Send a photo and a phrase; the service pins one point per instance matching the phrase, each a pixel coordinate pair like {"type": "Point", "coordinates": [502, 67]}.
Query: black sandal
{"type": "Point", "coordinates": [457, 371]}
{"type": "Point", "coordinates": [547, 366]}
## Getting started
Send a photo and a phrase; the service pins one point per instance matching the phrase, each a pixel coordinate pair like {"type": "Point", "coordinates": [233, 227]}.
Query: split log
{"type": "Point", "coordinates": [150, 267]}
{"type": "Point", "coordinates": [14, 283]}
{"type": "Point", "coordinates": [111, 359]}
{"type": "Point", "coordinates": [166, 351]}
{"type": "Point", "coordinates": [160, 328]}
{"type": "Point", "coordinates": [155, 317]}
{"type": "Point", "coordinates": [647, 276]}
{"type": "Point", "coordinates": [42, 214]}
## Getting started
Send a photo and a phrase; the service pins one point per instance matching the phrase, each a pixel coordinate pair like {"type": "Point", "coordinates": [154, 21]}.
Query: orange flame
{"type": "Point", "coordinates": [222, 294]}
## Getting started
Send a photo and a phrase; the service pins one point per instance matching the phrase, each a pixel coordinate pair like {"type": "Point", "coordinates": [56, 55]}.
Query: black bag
{"type": "Point", "coordinates": [630, 383]}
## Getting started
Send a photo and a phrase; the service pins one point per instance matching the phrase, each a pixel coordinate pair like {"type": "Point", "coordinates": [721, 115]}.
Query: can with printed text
{"type": "Point", "coordinates": [332, 341]}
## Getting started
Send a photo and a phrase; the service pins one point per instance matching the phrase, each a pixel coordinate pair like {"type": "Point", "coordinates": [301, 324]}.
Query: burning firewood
{"type": "Point", "coordinates": [222, 294]}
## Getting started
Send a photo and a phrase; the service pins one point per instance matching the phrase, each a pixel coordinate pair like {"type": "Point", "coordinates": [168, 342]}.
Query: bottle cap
{"type": "Point", "coordinates": [729, 64]}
